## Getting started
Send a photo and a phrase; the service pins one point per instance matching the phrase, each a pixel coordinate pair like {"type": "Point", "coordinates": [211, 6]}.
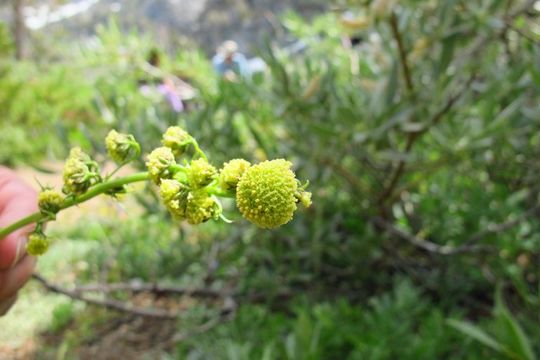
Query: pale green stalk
{"type": "Point", "coordinates": [72, 201]}
{"type": "Point", "coordinates": [94, 191]}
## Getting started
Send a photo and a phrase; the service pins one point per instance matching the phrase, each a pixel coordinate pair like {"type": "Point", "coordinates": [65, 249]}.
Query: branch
{"type": "Point", "coordinates": [427, 245]}
{"type": "Point", "coordinates": [468, 246]}
{"type": "Point", "coordinates": [414, 136]}
{"type": "Point", "coordinates": [110, 304]}
{"type": "Point", "coordinates": [402, 54]}
{"type": "Point", "coordinates": [523, 33]}
{"type": "Point", "coordinates": [481, 42]}
{"type": "Point", "coordinates": [499, 228]}
{"type": "Point", "coordinates": [351, 178]}
{"type": "Point", "coordinates": [158, 289]}
{"type": "Point", "coordinates": [472, 52]}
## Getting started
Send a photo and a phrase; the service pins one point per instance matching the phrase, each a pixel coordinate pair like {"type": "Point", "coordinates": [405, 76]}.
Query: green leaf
{"type": "Point", "coordinates": [392, 84]}
{"type": "Point", "coordinates": [476, 333]}
{"type": "Point", "coordinates": [513, 335]}
{"type": "Point", "coordinates": [447, 54]}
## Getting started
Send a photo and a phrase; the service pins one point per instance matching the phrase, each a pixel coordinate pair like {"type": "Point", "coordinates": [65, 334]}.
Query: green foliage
{"type": "Point", "coordinates": [509, 339]}
{"type": "Point", "coordinates": [49, 107]}
{"type": "Point", "coordinates": [62, 315]}
{"type": "Point", "coordinates": [399, 324]}
{"type": "Point", "coordinates": [147, 248]}
{"type": "Point", "coordinates": [39, 103]}
{"type": "Point", "coordinates": [6, 44]}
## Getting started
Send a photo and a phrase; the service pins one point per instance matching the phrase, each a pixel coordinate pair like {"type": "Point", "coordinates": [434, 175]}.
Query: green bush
{"type": "Point", "coordinates": [422, 147]}
{"type": "Point", "coordinates": [399, 324]}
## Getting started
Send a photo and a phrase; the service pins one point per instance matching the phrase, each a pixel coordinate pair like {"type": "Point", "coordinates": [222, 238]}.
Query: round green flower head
{"type": "Point", "coordinates": [122, 148]}
{"type": "Point", "coordinates": [37, 244]}
{"type": "Point", "coordinates": [50, 201]}
{"type": "Point", "coordinates": [231, 173]}
{"type": "Point", "coordinates": [200, 173]}
{"type": "Point", "coordinates": [158, 163]}
{"type": "Point", "coordinates": [176, 139]}
{"type": "Point", "coordinates": [174, 195]}
{"type": "Point", "coordinates": [80, 172]}
{"type": "Point", "coordinates": [201, 207]}
{"type": "Point", "coordinates": [267, 193]}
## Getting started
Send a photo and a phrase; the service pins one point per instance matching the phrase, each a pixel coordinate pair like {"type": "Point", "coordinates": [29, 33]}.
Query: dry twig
{"type": "Point", "coordinates": [155, 288]}
{"type": "Point", "coordinates": [469, 245]}
{"type": "Point", "coordinates": [428, 245]}
{"type": "Point", "coordinates": [110, 304]}
{"type": "Point", "coordinates": [499, 228]}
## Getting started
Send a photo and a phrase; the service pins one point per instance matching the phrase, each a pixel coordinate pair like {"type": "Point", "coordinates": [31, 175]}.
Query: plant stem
{"type": "Point", "coordinates": [177, 168]}
{"type": "Point", "coordinates": [220, 193]}
{"type": "Point", "coordinates": [198, 150]}
{"type": "Point", "coordinates": [69, 202]}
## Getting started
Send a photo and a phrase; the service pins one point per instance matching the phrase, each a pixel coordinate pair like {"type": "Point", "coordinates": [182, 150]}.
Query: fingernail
{"type": "Point", "coordinates": [19, 253]}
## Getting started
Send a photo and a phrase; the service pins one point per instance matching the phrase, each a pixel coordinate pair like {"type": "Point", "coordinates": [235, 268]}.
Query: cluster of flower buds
{"type": "Point", "coordinates": [186, 190]}
{"type": "Point", "coordinates": [37, 244]}
{"type": "Point", "coordinates": [122, 148]}
{"type": "Point", "coordinates": [80, 172]}
{"type": "Point", "coordinates": [177, 139]}
{"type": "Point", "coordinates": [50, 202]}
{"type": "Point", "coordinates": [266, 194]}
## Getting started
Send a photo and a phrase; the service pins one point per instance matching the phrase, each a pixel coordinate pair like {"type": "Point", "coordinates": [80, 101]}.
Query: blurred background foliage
{"type": "Point", "coordinates": [418, 125]}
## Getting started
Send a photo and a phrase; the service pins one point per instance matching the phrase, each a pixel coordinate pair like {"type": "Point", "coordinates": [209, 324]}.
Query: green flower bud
{"type": "Point", "coordinates": [158, 163]}
{"type": "Point", "coordinates": [80, 172]}
{"type": "Point", "coordinates": [122, 148]}
{"type": "Point", "coordinates": [201, 207]}
{"type": "Point", "coordinates": [231, 173]}
{"type": "Point", "coordinates": [176, 139]}
{"type": "Point", "coordinates": [174, 196]}
{"type": "Point", "coordinates": [200, 173]}
{"type": "Point", "coordinates": [50, 201]}
{"type": "Point", "coordinates": [37, 244]}
{"type": "Point", "coordinates": [304, 197]}
{"type": "Point", "coordinates": [169, 189]}
{"type": "Point", "coordinates": [266, 194]}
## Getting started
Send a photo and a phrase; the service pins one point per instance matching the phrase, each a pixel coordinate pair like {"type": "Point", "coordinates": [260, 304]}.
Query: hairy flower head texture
{"type": "Point", "coordinates": [176, 139]}
{"type": "Point", "coordinates": [201, 207]}
{"type": "Point", "coordinates": [37, 244]}
{"type": "Point", "coordinates": [158, 163]}
{"type": "Point", "coordinates": [200, 173]}
{"type": "Point", "coordinates": [80, 172]}
{"type": "Point", "coordinates": [50, 201]}
{"type": "Point", "coordinates": [231, 173]}
{"type": "Point", "coordinates": [267, 193]}
{"type": "Point", "coordinates": [122, 148]}
{"type": "Point", "coordinates": [174, 196]}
